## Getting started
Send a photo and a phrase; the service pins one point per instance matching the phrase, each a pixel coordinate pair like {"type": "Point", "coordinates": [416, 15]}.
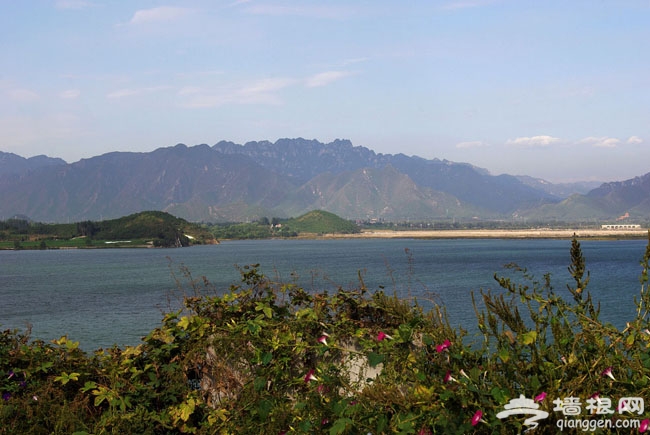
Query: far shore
{"type": "Point", "coordinates": [541, 233]}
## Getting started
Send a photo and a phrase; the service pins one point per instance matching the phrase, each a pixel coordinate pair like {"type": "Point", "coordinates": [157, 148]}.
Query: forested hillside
{"type": "Point", "coordinates": [151, 228]}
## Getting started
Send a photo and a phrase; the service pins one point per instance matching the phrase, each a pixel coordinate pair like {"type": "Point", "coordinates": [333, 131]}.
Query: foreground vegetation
{"type": "Point", "coordinates": [149, 228]}
{"type": "Point", "coordinates": [265, 357]}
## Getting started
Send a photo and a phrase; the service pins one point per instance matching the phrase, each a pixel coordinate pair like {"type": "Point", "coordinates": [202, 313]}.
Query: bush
{"type": "Point", "coordinates": [265, 357]}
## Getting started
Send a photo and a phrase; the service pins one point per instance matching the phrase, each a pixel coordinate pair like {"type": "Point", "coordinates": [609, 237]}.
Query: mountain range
{"type": "Point", "coordinates": [232, 182]}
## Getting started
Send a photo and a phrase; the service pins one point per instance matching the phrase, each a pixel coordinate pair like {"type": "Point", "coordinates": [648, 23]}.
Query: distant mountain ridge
{"type": "Point", "coordinates": [14, 164]}
{"type": "Point", "coordinates": [304, 159]}
{"type": "Point", "coordinates": [119, 183]}
{"type": "Point", "coordinates": [231, 182]}
{"type": "Point", "coordinates": [620, 200]}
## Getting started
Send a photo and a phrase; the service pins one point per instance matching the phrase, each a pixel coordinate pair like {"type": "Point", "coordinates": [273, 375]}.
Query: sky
{"type": "Point", "coordinates": [558, 90]}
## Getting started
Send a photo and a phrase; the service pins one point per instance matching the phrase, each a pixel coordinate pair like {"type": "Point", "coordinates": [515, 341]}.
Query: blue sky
{"type": "Point", "coordinates": [553, 89]}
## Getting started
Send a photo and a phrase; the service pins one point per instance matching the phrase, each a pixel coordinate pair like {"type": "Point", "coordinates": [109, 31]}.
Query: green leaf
{"type": "Point", "coordinates": [71, 345]}
{"type": "Point", "coordinates": [382, 421]}
{"type": "Point", "coordinates": [340, 425]}
{"type": "Point", "coordinates": [186, 409]}
{"type": "Point", "coordinates": [45, 366]}
{"type": "Point", "coordinates": [264, 408]}
{"type": "Point", "coordinates": [500, 395]}
{"type": "Point", "coordinates": [405, 332]}
{"type": "Point", "coordinates": [528, 337]}
{"type": "Point", "coordinates": [375, 358]}
{"type": "Point", "coordinates": [535, 384]}
{"type": "Point", "coordinates": [266, 358]}
{"type": "Point", "coordinates": [184, 323]}
{"type": "Point", "coordinates": [259, 383]}
{"type": "Point", "coordinates": [89, 385]}
{"type": "Point", "coordinates": [253, 327]}
{"type": "Point", "coordinates": [263, 307]}
{"type": "Point", "coordinates": [65, 377]}
{"type": "Point", "coordinates": [504, 354]}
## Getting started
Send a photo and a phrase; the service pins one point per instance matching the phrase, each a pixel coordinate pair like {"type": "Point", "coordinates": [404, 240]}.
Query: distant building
{"type": "Point", "coordinates": [620, 227]}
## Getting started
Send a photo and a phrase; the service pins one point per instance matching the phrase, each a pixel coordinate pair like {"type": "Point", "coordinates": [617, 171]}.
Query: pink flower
{"type": "Point", "coordinates": [477, 417]}
{"type": "Point", "coordinates": [444, 346]}
{"type": "Point", "coordinates": [322, 389]}
{"type": "Point", "coordinates": [608, 372]}
{"type": "Point", "coordinates": [541, 396]}
{"type": "Point", "coordinates": [448, 377]}
{"type": "Point", "coordinates": [383, 335]}
{"type": "Point", "coordinates": [310, 376]}
{"type": "Point", "coordinates": [644, 425]}
{"type": "Point", "coordinates": [323, 340]}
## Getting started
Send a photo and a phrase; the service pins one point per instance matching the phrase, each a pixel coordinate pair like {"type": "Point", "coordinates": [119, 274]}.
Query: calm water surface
{"type": "Point", "coordinates": [116, 296]}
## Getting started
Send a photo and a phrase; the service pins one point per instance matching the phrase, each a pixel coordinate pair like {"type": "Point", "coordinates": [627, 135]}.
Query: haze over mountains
{"type": "Point", "coordinates": [231, 182]}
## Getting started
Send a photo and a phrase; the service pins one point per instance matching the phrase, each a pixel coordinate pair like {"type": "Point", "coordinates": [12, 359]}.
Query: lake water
{"type": "Point", "coordinates": [103, 297]}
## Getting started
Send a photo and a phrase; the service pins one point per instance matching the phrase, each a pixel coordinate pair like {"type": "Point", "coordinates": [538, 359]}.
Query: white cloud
{"type": "Point", "coordinates": [266, 85]}
{"type": "Point", "coordinates": [263, 91]}
{"type": "Point", "coordinates": [634, 140]}
{"type": "Point", "coordinates": [466, 4]}
{"type": "Point", "coordinates": [471, 144]}
{"type": "Point", "coordinates": [22, 95]}
{"type": "Point", "coordinates": [130, 92]}
{"type": "Point", "coordinates": [158, 15]}
{"type": "Point", "coordinates": [70, 94]}
{"type": "Point", "coordinates": [535, 141]}
{"type": "Point", "coordinates": [325, 78]}
{"type": "Point", "coordinates": [27, 130]}
{"type": "Point", "coordinates": [189, 90]}
{"type": "Point", "coordinates": [600, 142]}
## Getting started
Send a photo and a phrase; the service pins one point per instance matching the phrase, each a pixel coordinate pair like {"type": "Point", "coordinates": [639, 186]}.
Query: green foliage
{"type": "Point", "coordinates": [314, 222]}
{"type": "Point", "coordinates": [322, 222]}
{"type": "Point", "coordinates": [266, 357]}
{"type": "Point", "coordinates": [255, 230]}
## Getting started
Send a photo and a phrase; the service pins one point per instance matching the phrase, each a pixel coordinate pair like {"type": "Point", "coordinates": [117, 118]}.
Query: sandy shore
{"type": "Point", "coordinates": [542, 233]}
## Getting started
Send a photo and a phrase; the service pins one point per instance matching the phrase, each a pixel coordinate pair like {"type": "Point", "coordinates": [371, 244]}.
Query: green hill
{"type": "Point", "coordinates": [145, 228]}
{"type": "Point", "coordinates": [321, 222]}
{"type": "Point", "coordinates": [163, 228]}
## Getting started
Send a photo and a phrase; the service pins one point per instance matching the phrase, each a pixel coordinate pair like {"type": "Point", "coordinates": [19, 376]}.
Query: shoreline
{"type": "Point", "coordinates": [541, 233]}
